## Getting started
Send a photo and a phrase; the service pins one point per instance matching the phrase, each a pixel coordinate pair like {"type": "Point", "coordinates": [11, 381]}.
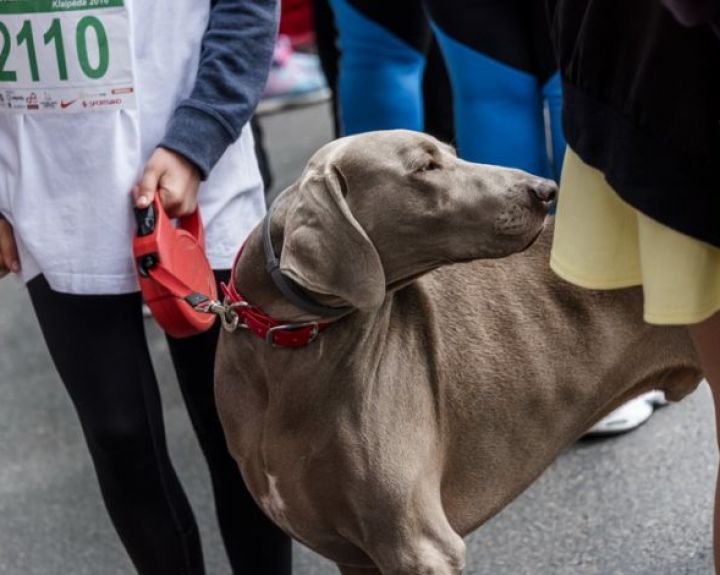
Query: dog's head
{"type": "Point", "coordinates": [373, 211]}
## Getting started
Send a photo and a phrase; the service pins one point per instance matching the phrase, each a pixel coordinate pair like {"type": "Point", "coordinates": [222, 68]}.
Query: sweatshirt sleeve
{"type": "Point", "coordinates": [234, 62]}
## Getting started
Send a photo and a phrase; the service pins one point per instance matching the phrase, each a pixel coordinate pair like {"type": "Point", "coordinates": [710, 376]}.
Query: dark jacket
{"type": "Point", "coordinates": [642, 105]}
{"type": "Point", "coordinates": [696, 12]}
{"type": "Point", "coordinates": [234, 63]}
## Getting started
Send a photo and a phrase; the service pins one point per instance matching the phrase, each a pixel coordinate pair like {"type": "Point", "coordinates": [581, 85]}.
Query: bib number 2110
{"type": "Point", "coordinates": [65, 56]}
{"type": "Point", "coordinates": [88, 29]}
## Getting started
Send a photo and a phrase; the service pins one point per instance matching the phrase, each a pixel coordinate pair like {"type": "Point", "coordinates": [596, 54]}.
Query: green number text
{"type": "Point", "coordinates": [5, 75]}
{"type": "Point", "coordinates": [54, 34]}
{"type": "Point", "coordinates": [103, 49]}
{"type": "Point", "coordinates": [26, 36]}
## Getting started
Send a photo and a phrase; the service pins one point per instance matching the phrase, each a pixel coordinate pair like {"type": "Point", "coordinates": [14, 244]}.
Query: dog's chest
{"type": "Point", "coordinates": [272, 501]}
{"type": "Point", "coordinates": [274, 505]}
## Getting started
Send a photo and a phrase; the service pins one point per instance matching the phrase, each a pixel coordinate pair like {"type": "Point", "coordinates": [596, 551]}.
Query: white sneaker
{"type": "Point", "coordinates": [630, 415]}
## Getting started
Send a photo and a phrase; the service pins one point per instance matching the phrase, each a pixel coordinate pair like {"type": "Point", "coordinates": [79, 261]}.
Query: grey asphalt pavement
{"type": "Point", "coordinates": [636, 504]}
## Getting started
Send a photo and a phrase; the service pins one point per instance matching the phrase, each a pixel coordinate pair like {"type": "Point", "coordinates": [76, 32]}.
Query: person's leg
{"type": "Point", "coordinates": [254, 544]}
{"type": "Point", "coordinates": [326, 40]}
{"type": "Point", "coordinates": [552, 93]}
{"type": "Point", "coordinates": [498, 105]}
{"type": "Point", "coordinates": [99, 348]}
{"type": "Point", "coordinates": [437, 96]}
{"type": "Point", "coordinates": [382, 46]}
{"type": "Point", "coordinates": [261, 154]}
{"type": "Point", "coordinates": [546, 70]}
{"type": "Point", "coordinates": [706, 337]}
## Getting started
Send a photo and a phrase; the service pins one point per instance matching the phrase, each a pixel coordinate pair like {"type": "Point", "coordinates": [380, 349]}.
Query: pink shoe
{"type": "Point", "coordinates": [296, 79]}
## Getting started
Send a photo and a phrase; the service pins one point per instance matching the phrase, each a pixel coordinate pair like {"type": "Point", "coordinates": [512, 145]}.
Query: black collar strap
{"type": "Point", "coordinates": [293, 292]}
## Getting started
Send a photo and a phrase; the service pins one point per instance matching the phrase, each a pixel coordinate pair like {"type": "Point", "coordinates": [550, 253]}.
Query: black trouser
{"type": "Point", "coordinates": [99, 348]}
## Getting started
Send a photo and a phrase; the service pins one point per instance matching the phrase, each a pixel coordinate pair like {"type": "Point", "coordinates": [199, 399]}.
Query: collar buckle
{"type": "Point", "coordinates": [293, 327]}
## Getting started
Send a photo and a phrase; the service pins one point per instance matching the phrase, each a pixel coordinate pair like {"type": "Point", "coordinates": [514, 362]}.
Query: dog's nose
{"type": "Point", "coordinates": [544, 190]}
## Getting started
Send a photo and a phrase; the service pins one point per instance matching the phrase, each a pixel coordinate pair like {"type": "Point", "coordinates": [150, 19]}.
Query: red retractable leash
{"type": "Point", "coordinates": [174, 273]}
{"type": "Point", "coordinates": [178, 285]}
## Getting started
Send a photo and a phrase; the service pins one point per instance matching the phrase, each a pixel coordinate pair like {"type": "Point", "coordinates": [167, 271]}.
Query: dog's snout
{"type": "Point", "coordinates": [544, 190]}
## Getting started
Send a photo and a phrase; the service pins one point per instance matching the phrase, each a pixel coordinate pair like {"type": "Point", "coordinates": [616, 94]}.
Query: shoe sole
{"type": "Point", "coordinates": [653, 400]}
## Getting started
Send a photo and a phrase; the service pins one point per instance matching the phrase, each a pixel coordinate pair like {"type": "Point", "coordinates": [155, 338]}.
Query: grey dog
{"type": "Point", "coordinates": [457, 378]}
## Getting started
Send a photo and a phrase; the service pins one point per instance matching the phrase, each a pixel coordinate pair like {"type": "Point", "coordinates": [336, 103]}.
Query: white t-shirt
{"type": "Point", "coordinates": [65, 178]}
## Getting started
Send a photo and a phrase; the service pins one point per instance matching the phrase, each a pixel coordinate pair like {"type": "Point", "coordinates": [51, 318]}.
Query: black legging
{"type": "Point", "coordinates": [99, 347]}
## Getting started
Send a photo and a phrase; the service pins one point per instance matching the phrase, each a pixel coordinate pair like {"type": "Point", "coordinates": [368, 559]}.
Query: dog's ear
{"type": "Point", "coordinates": [325, 249]}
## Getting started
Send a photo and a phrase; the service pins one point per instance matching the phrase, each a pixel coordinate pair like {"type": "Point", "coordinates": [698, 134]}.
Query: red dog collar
{"type": "Point", "coordinates": [275, 332]}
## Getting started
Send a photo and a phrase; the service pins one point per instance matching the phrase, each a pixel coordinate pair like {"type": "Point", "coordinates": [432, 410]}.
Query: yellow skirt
{"type": "Point", "coordinates": [601, 242]}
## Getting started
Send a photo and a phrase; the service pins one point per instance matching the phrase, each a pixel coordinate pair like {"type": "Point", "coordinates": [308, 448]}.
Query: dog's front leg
{"type": "Point", "coordinates": [410, 533]}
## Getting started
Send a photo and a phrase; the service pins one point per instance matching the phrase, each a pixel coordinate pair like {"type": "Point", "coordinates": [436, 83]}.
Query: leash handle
{"type": "Point", "coordinates": [174, 273]}
{"type": "Point", "coordinates": [147, 219]}
{"type": "Point", "coordinates": [192, 223]}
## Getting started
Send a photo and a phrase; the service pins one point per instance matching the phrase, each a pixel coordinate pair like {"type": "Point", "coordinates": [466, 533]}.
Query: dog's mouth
{"type": "Point", "coordinates": [519, 235]}
{"type": "Point", "coordinates": [536, 235]}
{"type": "Point", "coordinates": [520, 223]}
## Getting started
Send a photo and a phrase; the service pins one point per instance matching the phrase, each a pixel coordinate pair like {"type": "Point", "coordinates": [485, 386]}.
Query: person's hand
{"type": "Point", "coordinates": [9, 260]}
{"type": "Point", "coordinates": [174, 177]}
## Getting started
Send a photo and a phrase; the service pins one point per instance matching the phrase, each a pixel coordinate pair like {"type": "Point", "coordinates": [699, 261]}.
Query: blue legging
{"type": "Point", "coordinates": [501, 69]}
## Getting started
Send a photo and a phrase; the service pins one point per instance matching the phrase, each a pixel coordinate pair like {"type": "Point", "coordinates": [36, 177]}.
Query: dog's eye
{"type": "Point", "coordinates": [430, 166]}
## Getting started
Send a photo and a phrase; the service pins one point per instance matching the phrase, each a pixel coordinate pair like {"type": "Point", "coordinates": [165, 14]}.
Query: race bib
{"type": "Point", "coordinates": [65, 56]}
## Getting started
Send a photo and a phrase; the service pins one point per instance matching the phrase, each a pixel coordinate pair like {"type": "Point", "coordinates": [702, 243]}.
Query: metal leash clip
{"type": "Point", "coordinates": [226, 312]}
